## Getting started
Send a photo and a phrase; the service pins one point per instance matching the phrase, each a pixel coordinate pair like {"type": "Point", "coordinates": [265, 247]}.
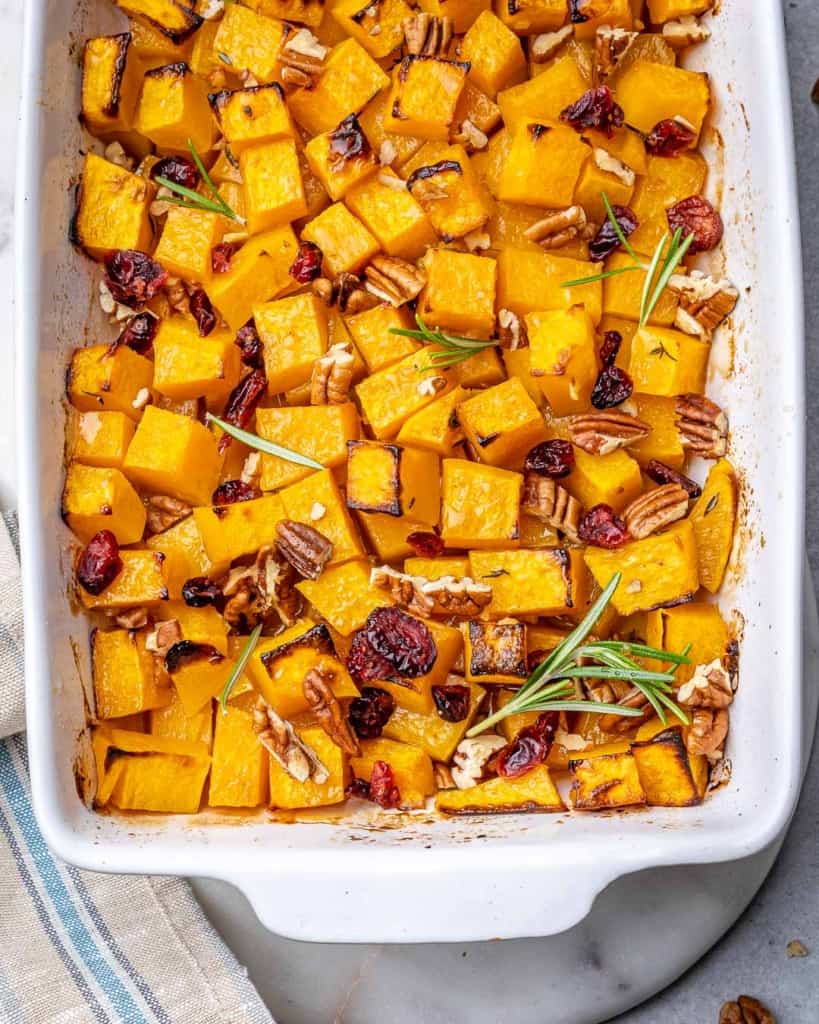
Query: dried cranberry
{"type": "Point", "coordinates": [178, 169]}
{"type": "Point", "coordinates": [250, 345]}
{"type": "Point", "coordinates": [383, 789]}
{"type": "Point", "coordinates": [391, 643]}
{"type": "Point", "coordinates": [606, 240]}
{"type": "Point", "coordinates": [529, 748]}
{"type": "Point", "coordinates": [359, 788]}
{"type": "Point", "coordinates": [602, 527]}
{"type": "Point", "coordinates": [99, 563]}
{"type": "Point", "coordinates": [233, 491]}
{"type": "Point", "coordinates": [612, 387]}
{"type": "Point", "coordinates": [424, 544]}
{"type": "Point", "coordinates": [662, 474]}
{"type": "Point", "coordinates": [242, 403]}
{"type": "Point", "coordinates": [133, 278]}
{"type": "Point", "coordinates": [612, 340]}
{"type": "Point", "coordinates": [452, 701]}
{"type": "Point", "coordinates": [550, 458]}
{"type": "Point", "coordinates": [576, 15]}
{"type": "Point", "coordinates": [307, 265]}
{"type": "Point", "coordinates": [185, 651]}
{"type": "Point", "coordinates": [202, 312]}
{"type": "Point", "coordinates": [595, 109]}
{"type": "Point", "coordinates": [138, 335]}
{"type": "Point", "coordinates": [697, 217]}
{"type": "Point", "coordinates": [199, 592]}
{"type": "Point", "coordinates": [370, 712]}
{"type": "Point", "coordinates": [364, 663]}
{"type": "Point", "coordinates": [221, 255]}
{"type": "Point", "coordinates": [669, 138]}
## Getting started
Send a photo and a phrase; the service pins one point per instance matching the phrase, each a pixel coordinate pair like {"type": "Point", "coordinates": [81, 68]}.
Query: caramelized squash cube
{"type": "Point", "coordinates": [429, 731]}
{"type": "Point", "coordinates": [698, 624]}
{"type": "Point", "coordinates": [286, 669]}
{"type": "Point", "coordinates": [714, 518]}
{"type": "Point", "coordinates": [344, 596]}
{"type": "Point", "coordinates": [189, 366]}
{"type": "Point", "coordinates": [303, 633]}
{"type": "Point", "coordinates": [495, 652]}
{"type": "Point", "coordinates": [435, 568]}
{"type": "Point", "coordinates": [294, 334]}
{"type": "Point", "coordinates": [239, 771]}
{"type": "Point", "coordinates": [668, 362]}
{"type": "Point", "coordinates": [449, 192]}
{"type": "Point", "coordinates": [344, 241]}
{"type": "Point", "coordinates": [425, 92]}
{"type": "Point", "coordinates": [612, 479]}
{"type": "Point", "coordinates": [289, 794]}
{"type": "Point", "coordinates": [389, 211]}
{"type": "Point", "coordinates": [171, 720]}
{"type": "Point", "coordinates": [252, 116]}
{"type": "Point", "coordinates": [411, 766]}
{"type": "Point", "coordinates": [274, 192]}
{"type": "Point", "coordinates": [154, 47]}
{"type": "Point", "coordinates": [338, 163]}
{"type": "Point", "coordinates": [528, 16]}
{"type": "Point", "coordinates": [543, 165]}
{"type": "Point", "coordinates": [231, 531]}
{"type": "Point", "coordinates": [141, 581]}
{"type": "Point", "coordinates": [377, 26]}
{"type": "Point", "coordinates": [250, 41]}
{"type": "Point", "coordinates": [462, 12]}
{"type": "Point", "coordinates": [529, 282]}
{"type": "Point", "coordinates": [200, 678]}
{"type": "Point", "coordinates": [622, 294]}
{"type": "Point", "coordinates": [460, 292]}
{"type": "Point", "coordinates": [185, 555]}
{"type": "Point", "coordinates": [436, 427]}
{"type": "Point", "coordinates": [563, 357]}
{"type": "Point", "coordinates": [663, 442]}
{"type": "Point", "coordinates": [111, 82]}
{"type": "Point", "coordinates": [336, 524]}
{"type": "Point", "coordinates": [98, 381]}
{"type": "Point", "coordinates": [530, 793]}
{"type": "Point", "coordinates": [124, 679]}
{"type": "Point", "coordinates": [595, 180]}
{"type": "Point", "coordinates": [389, 397]}
{"type": "Point", "coordinates": [174, 108]}
{"type": "Point", "coordinates": [605, 782]}
{"type": "Point", "coordinates": [543, 97]}
{"type": "Point", "coordinates": [187, 241]}
{"type": "Point", "coordinates": [671, 10]}
{"type": "Point", "coordinates": [481, 505]}
{"type": "Point", "coordinates": [159, 773]}
{"type": "Point", "coordinates": [173, 18]}
{"type": "Point", "coordinates": [544, 582]}
{"type": "Point", "coordinates": [101, 438]}
{"type": "Point", "coordinates": [613, 13]}
{"type": "Point", "coordinates": [112, 209]}
{"type": "Point", "coordinates": [97, 499]}
{"type": "Point", "coordinates": [394, 480]}
{"type": "Point", "coordinates": [502, 423]}
{"type": "Point", "coordinates": [370, 332]}
{"type": "Point", "coordinates": [494, 54]}
{"type": "Point", "coordinates": [650, 92]}
{"type": "Point", "coordinates": [387, 535]}
{"type": "Point", "coordinates": [320, 432]}
{"type": "Point", "coordinates": [669, 775]}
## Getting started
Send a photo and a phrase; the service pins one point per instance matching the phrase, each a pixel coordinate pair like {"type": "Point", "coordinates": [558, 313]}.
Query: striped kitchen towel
{"type": "Point", "coordinates": [83, 948]}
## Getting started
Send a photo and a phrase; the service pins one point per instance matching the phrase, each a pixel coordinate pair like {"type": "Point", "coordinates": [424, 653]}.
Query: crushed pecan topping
{"type": "Point", "coordinates": [332, 376]}
{"type": "Point", "coordinates": [472, 757]}
{"type": "Point", "coordinates": [470, 136]}
{"type": "Point", "coordinates": [686, 31]}
{"type": "Point", "coordinates": [131, 618]}
{"type": "Point", "coordinates": [477, 240]}
{"type": "Point", "coordinates": [305, 54]}
{"type": "Point", "coordinates": [709, 687]}
{"type": "Point", "coordinates": [633, 698]}
{"type": "Point", "coordinates": [600, 433]}
{"type": "Point", "coordinates": [707, 732]}
{"type": "Point", "coordinates": [655, 510]}
{"type": "Point", "coordinates": [545, 499]}
{"type": "Point", "coordinates": [610, 46]}
{"type": "Point", "coordinates": [307, 550]}
{"type": "Point", "coordinates": [347, 292]}
{"type": "Point", "coordinates": [511, 330]}
{"type": "Point", "coordinates": [704, 302]}
{"type": "Point", "coordinates": [703, 426]}
{"type": "Point", "coordinates": [115, 154]}
{"type": "Point", "coordinates": [431, 385]}
{"type": "Point", "coordinates": [544, 46]}
{"type": "Point", "coordinates": [255, 591]}
{"type": "Point", "coordinates": [393, 280]}
{"type": "Point", "coordinates": [612, 165]}
{"type": "Point", "coordinates": [280, 740]}
{"type": "Point", "coordinates": [561, 227]}
{"type": "Point", "coordinates": [163, 636]}
{"type": "Point", "coordinates": [448, 595]}
{"type": "Point", "coordinates": [427, 35]}
{"type": "Point", "coordinates": [318, 693]}
{"type": "Point", "coordinates": [164, 511]}
{"type": "Point", "coordinates": [443, 775]}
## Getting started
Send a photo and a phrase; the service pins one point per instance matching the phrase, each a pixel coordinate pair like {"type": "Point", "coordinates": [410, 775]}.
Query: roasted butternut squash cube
{"type": "Point", "coordinates": [231, 531]}
{"type": "Point", "coordinates": [200, 625]}
{"type": "Point", "coordinates": [389, 397]}
{"type": "Point", "coordinates": [172, 721]}
{"type": "Point", "coordinates": [535, 533]}
{"type": "Point", "coordinates": [159, 773]}
{"type": "Point", "coordinates": [111, 82]}
{"type": "Point", "coordinates": [436, 427]}
{"type": "Point", "coordinates": [189, 366]}
{"type": "Point", "coordinates": [665, 182]}
{"type": "Point", "coordinates": [289, 794]}
{"type": "Point", "coordinates": [563, 357]}
{"type": "Point", "coordinates": [672, 10]}
{"type": "Point", "coordinates": [435, 568]}
{"type": "Point", "coordinates": [154, 47]}
{"type": "Point", "coordinates": [614, 13]}
{"type": "Point", "coordinates": [713, 518]}
{"type": "Point", "coordinates": [605, 782]}
{"type": "Point", "coordinates": [481, 505]}
{"type": "Point", "coordinates": [622, 294]}
{"type": "Point", "coordinates": [274, 192]}
{"type": "Point", "coordinates": [429, 731]}
{"type": "Point", "coordinates": [173, 18]}
{"type": "Point", "coordinates": [449, 192]}
{"type": "Point", "coordinates": [200, 677]}
{"type": "Point", "coordinates": [462, 12]}
{"type": "Point", "coordinates": [378, 27]}
{"type": "Point", "coordinates": [394, 480]}
{"type": "Point", "coordinates": [98, 381]}
{"type": "Point", "coordinates": [529, 282]}
{"type": "Point", "coordinates": [502, 423]}
{"type": "Point", "coordinates": [543, 97]}
{"type": "Point", "coordinates": [286, 668]}
{"type": "Point", "coordinates": [335, 524]}
{"type": "Point", "coordinates": [320, 432]}
{"type": "Point", "coordinates": [650, 92]}
{"type": "Point", "coordinates": [543, 582]}
{"type": "Point", "coordinates": [387, 535]}
{"type": "Point", "coordinates": [250, 41]}
{"type": "Point", "coordinates": [668, 362]}
{"type": "Point", "coordinates": [174, 108]}
{"type": "Point", "coordinates": [112, 209]}
{"type": "Point", "coordinates": [101, 438]}
{"type": "Point", "coordinates": [424, 95]}
{"type": "Point", "coordinates": [483, 370]}
{"type": "Point", "coordinates": [597, 178]}
{"type": "Point", "coordinates": [460, 292]}
{"type": "Point", "coordinates": [626, 145]}
{"type": "Point", "coordinates": [533, 792]}
{"type": "Point", "coordinates": [252, 116]}
{"type": "Point", "coordinates": [698, 624]}
{"type": "Point", "coordinates": [344, 596]}
{"type": "Point", "coordinates": [660, 570]}
{"type": "Point", "coordinates": [346, 244]}
{"type": "Point", "coordinates": [612, 479]}
{"type": "Point", "coordinates": [389, 211]}
{"type": "Point", "coordinates": [342, 157]}
{"type": "Point", "coordinates": [303, 633]}
{"type": "Point", "coordinates": [141, 581]}
{"type": "Point", "coordinates": [543, 165]}
{"type": "Point", "coordinates": [416, 694]}
{"type": "Point", "coordinates": [349, 81]}
{"type": "Point", "coordinates": [258, 271]}
{"type": "Point", "coordinates": [494, 54]}
{"type": "Point", "coordinates": [96, 498]}
{"type": "Point", "coordinates": [669, 775]}
{"type": "Point", "coordinates": [187, 240]}
{"type": "Point", "coordinates": [370, 332]}
{"type": "Point", "coordinates": [663, 442]}
{"type": "Point", "coordinates": [124, 678]}
{"type": "Point", "coordinates": [239, 770]}
{"type": "Point", "coordinates": [175, 455]}
{"type": "Point", "coordinates": [411, 766]}
{"type": "Point", "coordinates": [185, 555]}
{"type": "Point", "coordinates": [294, 334]}
{"type": "Point", "coordinates": [495, 652]}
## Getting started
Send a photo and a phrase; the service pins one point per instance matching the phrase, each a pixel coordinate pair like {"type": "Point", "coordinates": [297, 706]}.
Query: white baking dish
{"type": "Point", "coordinates": [427, 879]}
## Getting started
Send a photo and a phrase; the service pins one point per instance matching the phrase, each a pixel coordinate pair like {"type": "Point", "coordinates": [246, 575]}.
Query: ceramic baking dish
{"type": "Point", "coordinates": [417, 878]}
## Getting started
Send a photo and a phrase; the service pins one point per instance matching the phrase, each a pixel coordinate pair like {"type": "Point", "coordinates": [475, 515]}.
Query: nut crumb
{"type": "Point", "coordinates": [797, 949]}
{"type": "Point", "coordinates": [317, 511]}
{"type": "Point", "coordinates": [431, 385]}
{"type": "Point", "coordinates": [143, 397]}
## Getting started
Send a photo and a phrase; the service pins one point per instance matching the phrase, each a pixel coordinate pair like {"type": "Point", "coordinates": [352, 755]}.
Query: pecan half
{"type": "Point", "coordinates": [655, 510]}
{"type": "Point", "coordinates": [471, 758]}
{"type": "Point", "coordinates": [634, 698]}
{"type": "Point", "coordinates": [709, 687]}
{"type": "Point", "coordinates": [686, 31]}
{"type": "Point", "coordinates": [703, 426]}
{"type": "Point", "coordinates": [307, 550]}
{"type": "Point", "coordinates": [544, 46]}
{"type": "Point", "coordinates": [255, 591]}
{"type": "Point", "coordinates": [332, 376]}
{"type": "Point", "coordinates": [560, 227]}
{"type": "Point", "coordinates": [427, 35]}
{"type": "Point", "coordinates": [745, 1010]}
{"type": "Point", "coordinates": [347, 292]}
{"type": "Point", "coordinates": [163, 511]}
{"type": "Point", "coordinates": [545, 499]}
{"type": "Point", "coordinates": [600, 433]}
{"type": "Point", "coordinates": [610, 46]}
{"type": "Point", "coordinates": [318, 692]}
{"type": "Point", "coordinates": [393, 280]}
{"type": "Point", "coordinates": [707, 732]}
{"type": "Point", "coordinates": [280, 740]}
{"type": "Point", "coordinates": [704, 302]}
{"type": "Point", "coordinates": [302, 53]}
{"type": "Point", "coordinates": [448, 595]}
{"type": "Point", "coordinates": [511, 331]}
{"type": "Point", "coordinates": [163, 636]}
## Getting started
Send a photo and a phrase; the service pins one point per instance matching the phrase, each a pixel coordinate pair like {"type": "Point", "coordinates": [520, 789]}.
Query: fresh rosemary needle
{"type": "Point", "coordinates": [239, 667]}
{"type": "Point", "coordinates": [454, 348]}
{"type": "Point", "coordinates": [263, 445]}
{"type": "Point", "coordinates": [193, 200]}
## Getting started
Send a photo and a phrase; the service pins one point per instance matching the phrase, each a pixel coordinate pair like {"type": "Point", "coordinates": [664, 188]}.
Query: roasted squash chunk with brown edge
{"type": "Point", "coordinates": [303, 633]}
{"type": "Point", "coordinates": [450, 193]}
{"type": "Point", "coordinates": [495, 652]}
{"type": "Point", "coordinates": [698, 624]}
{"type": "Point", "coordinates": [341, 158]}
{"type": "Point", "coordinates": [124, 679]}
{"type": "Point", "coordinates": [160, 773]}
{"type": "Point", "coordinates": [394, 480]}
{"type": "Point", "coordinates": [436, 427]}
{"type": "Point", "coordinates": [713, 518]}
{"type": "Point", "coordinates": [252, 116]}
{"type": "Point", "coordinates": [460, 292]}
{"type": "Point", "coordinates": [430, 732]}
{"type": "Point", "coordinates": [534, 791]}
{"type": "Point", "coordinates": [287, 792]}
{"type": "Point", "coordinates": [344, 596]}
{"type": "Point", "coordinates": [377, 26]}
{"type": "Point", "coordinates": [286, 670]}
{"type": "Point", "coordinates": [100, 380]}
{"type": "Point", "coordinates": [173, 108]}
{"type": "Point", "coordinates": [111, 82]}
{"type": "Point", "coordinates": [605, 782]}
{"type": "Point", "coordinates": [239, 769]}
{"type": "Point", "coordinates": [199, 672]}
{"type": "Point", "coordinates": [502, 423]}
{"type": "Point", "coordinates": [172, 18]}
{"type": "Point", "coordinates": [102, 499]}
{"type": "Point", "coordinates": [112, 209]}
{"type": "Point", "coordinates": [424, 95]}
{"type": "Point", "coordinates": [669, 775]}
{"type": "Point", "coordinates": [543, 582]}
{"type": "Point", "coordinates": [411, 766]}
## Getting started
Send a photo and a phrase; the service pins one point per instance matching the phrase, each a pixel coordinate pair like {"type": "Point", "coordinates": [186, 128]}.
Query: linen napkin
{"type": "Point", "coordinates": [78, 947]}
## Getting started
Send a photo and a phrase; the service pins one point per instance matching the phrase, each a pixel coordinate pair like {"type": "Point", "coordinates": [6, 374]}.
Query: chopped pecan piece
{"type": "Point", "coordinates": [544, 46]}
{"type": "Point", "coordinates": [318, 693]}
{"type": "Point", "coordinates": [470, 136]}
{"type": "Point", "coordinates": [347, 292]}
{"type": "Point", "coordinates": [600, 433]}
{"type": "Point", "coordinates": [511, 331]}
{"type": "Point", "coordinates": [443, 775]}
{"type": "Point", "coordinates": [686, 31]}
{"type": "Point", "coordinates": [165, 511]}
{"type": "Point", "coordinates": [304, 53]}
{"type": "Point", "coordinates": [612, 165]}
{"type": "Point", "coordinates": [279, 738]}
{"type": "Point", "coordinates": [709, 687]}
{"type": "Point", "coordinates": [332, 376]}
{"type": "Point", "coordinates": [703, 426]}
{"type": "Point", "coordinates": [633, 698]}
{"type": "Point", "coordinates": [610, 46]}
{"type": "Point", "coordinates": [463, 597]}
{"type": "Point", "coordinates": [132, 618]}
{"type": "Point", "coordinates": [560, 227]}
{"type": "Point", "coordinates": [163, 637]}
{"type": "Point", "coordinates": [745, 1010]}
{"type": "Point", "coordinates": [545, 499]}
{"type": "Point", "coordinates": [307, 550]}
{"type": "Point", "coordinates": [431, 385]}
{"type": "Point", "coordinates": [254, 591]}
{"type": "Point", "coordinates": [470, 760]}
{"type": "Point", "coordinates": [707, 732]}
{"type": "Point", "coordinates": [704, 302]}
{"type": "Point", "coordinates": [655, 510]}
{"type": "Point", "coordinates": [393, 280]}
{"type": "Point", "coordinates": [427, 35]}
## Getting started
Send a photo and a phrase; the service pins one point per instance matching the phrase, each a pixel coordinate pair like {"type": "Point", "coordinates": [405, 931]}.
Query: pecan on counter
{"type": "Point", "coordinates": [545, 499]}
{"type": "Point", "coordinates": [703, 426]}
{"type": "Point", "coordinates": [745, 1010]}
{"type": "Point", "coordinates": [426, 35]}
{"type": "Point", "coordinates": [393, 280]}
{"type": "Point", "coordinates": [318, 692]}
{"type": "Point", "coordinates": [600, 433]}
{"type": "Point", "coordinates": [709, 687]}
{"type": "Point", "coordinates": [307, 550]}
{"type": "Point", "coordinates": [471, 758]}
{"type": "Point", "coordinates": [163, 511]}
{"type": "Point", "coordinates": [346, 292]}
{"type": "Point", "coordinates": [706, 735]}
{"type": "Point", "coordinates": [280, 740]}
{"type": "Point", "coordinates": [610, 46]}
{"type": "Point", "coordinates": [448, 595]}
{"type": "Point", "coordinates": [332, 376]}
{"type": "Point", "coordinates": [704, 302]}
{"type": "Point", "coordinates": [655, 510]}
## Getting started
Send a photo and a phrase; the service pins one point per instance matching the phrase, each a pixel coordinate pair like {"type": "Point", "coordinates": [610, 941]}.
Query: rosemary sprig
{"type": "Point", "coordinates": [550, 686]}
{"type": "Point", "coordinates": [192, 200]}
{"type": "Point", "coordinates": [454, 347]}
{"type": "Point", "coordinates": [239, 667]}
{"type": "Point", "coordinates": [263, 445]}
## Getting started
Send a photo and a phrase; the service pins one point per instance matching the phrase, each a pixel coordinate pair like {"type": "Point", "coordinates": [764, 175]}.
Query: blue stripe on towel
{"type": "Point", "coordinates": [121, 999]}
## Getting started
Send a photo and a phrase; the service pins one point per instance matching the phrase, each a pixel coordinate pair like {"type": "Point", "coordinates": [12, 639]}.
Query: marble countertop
{"type": "Point", "coordinates": [305, 984]}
